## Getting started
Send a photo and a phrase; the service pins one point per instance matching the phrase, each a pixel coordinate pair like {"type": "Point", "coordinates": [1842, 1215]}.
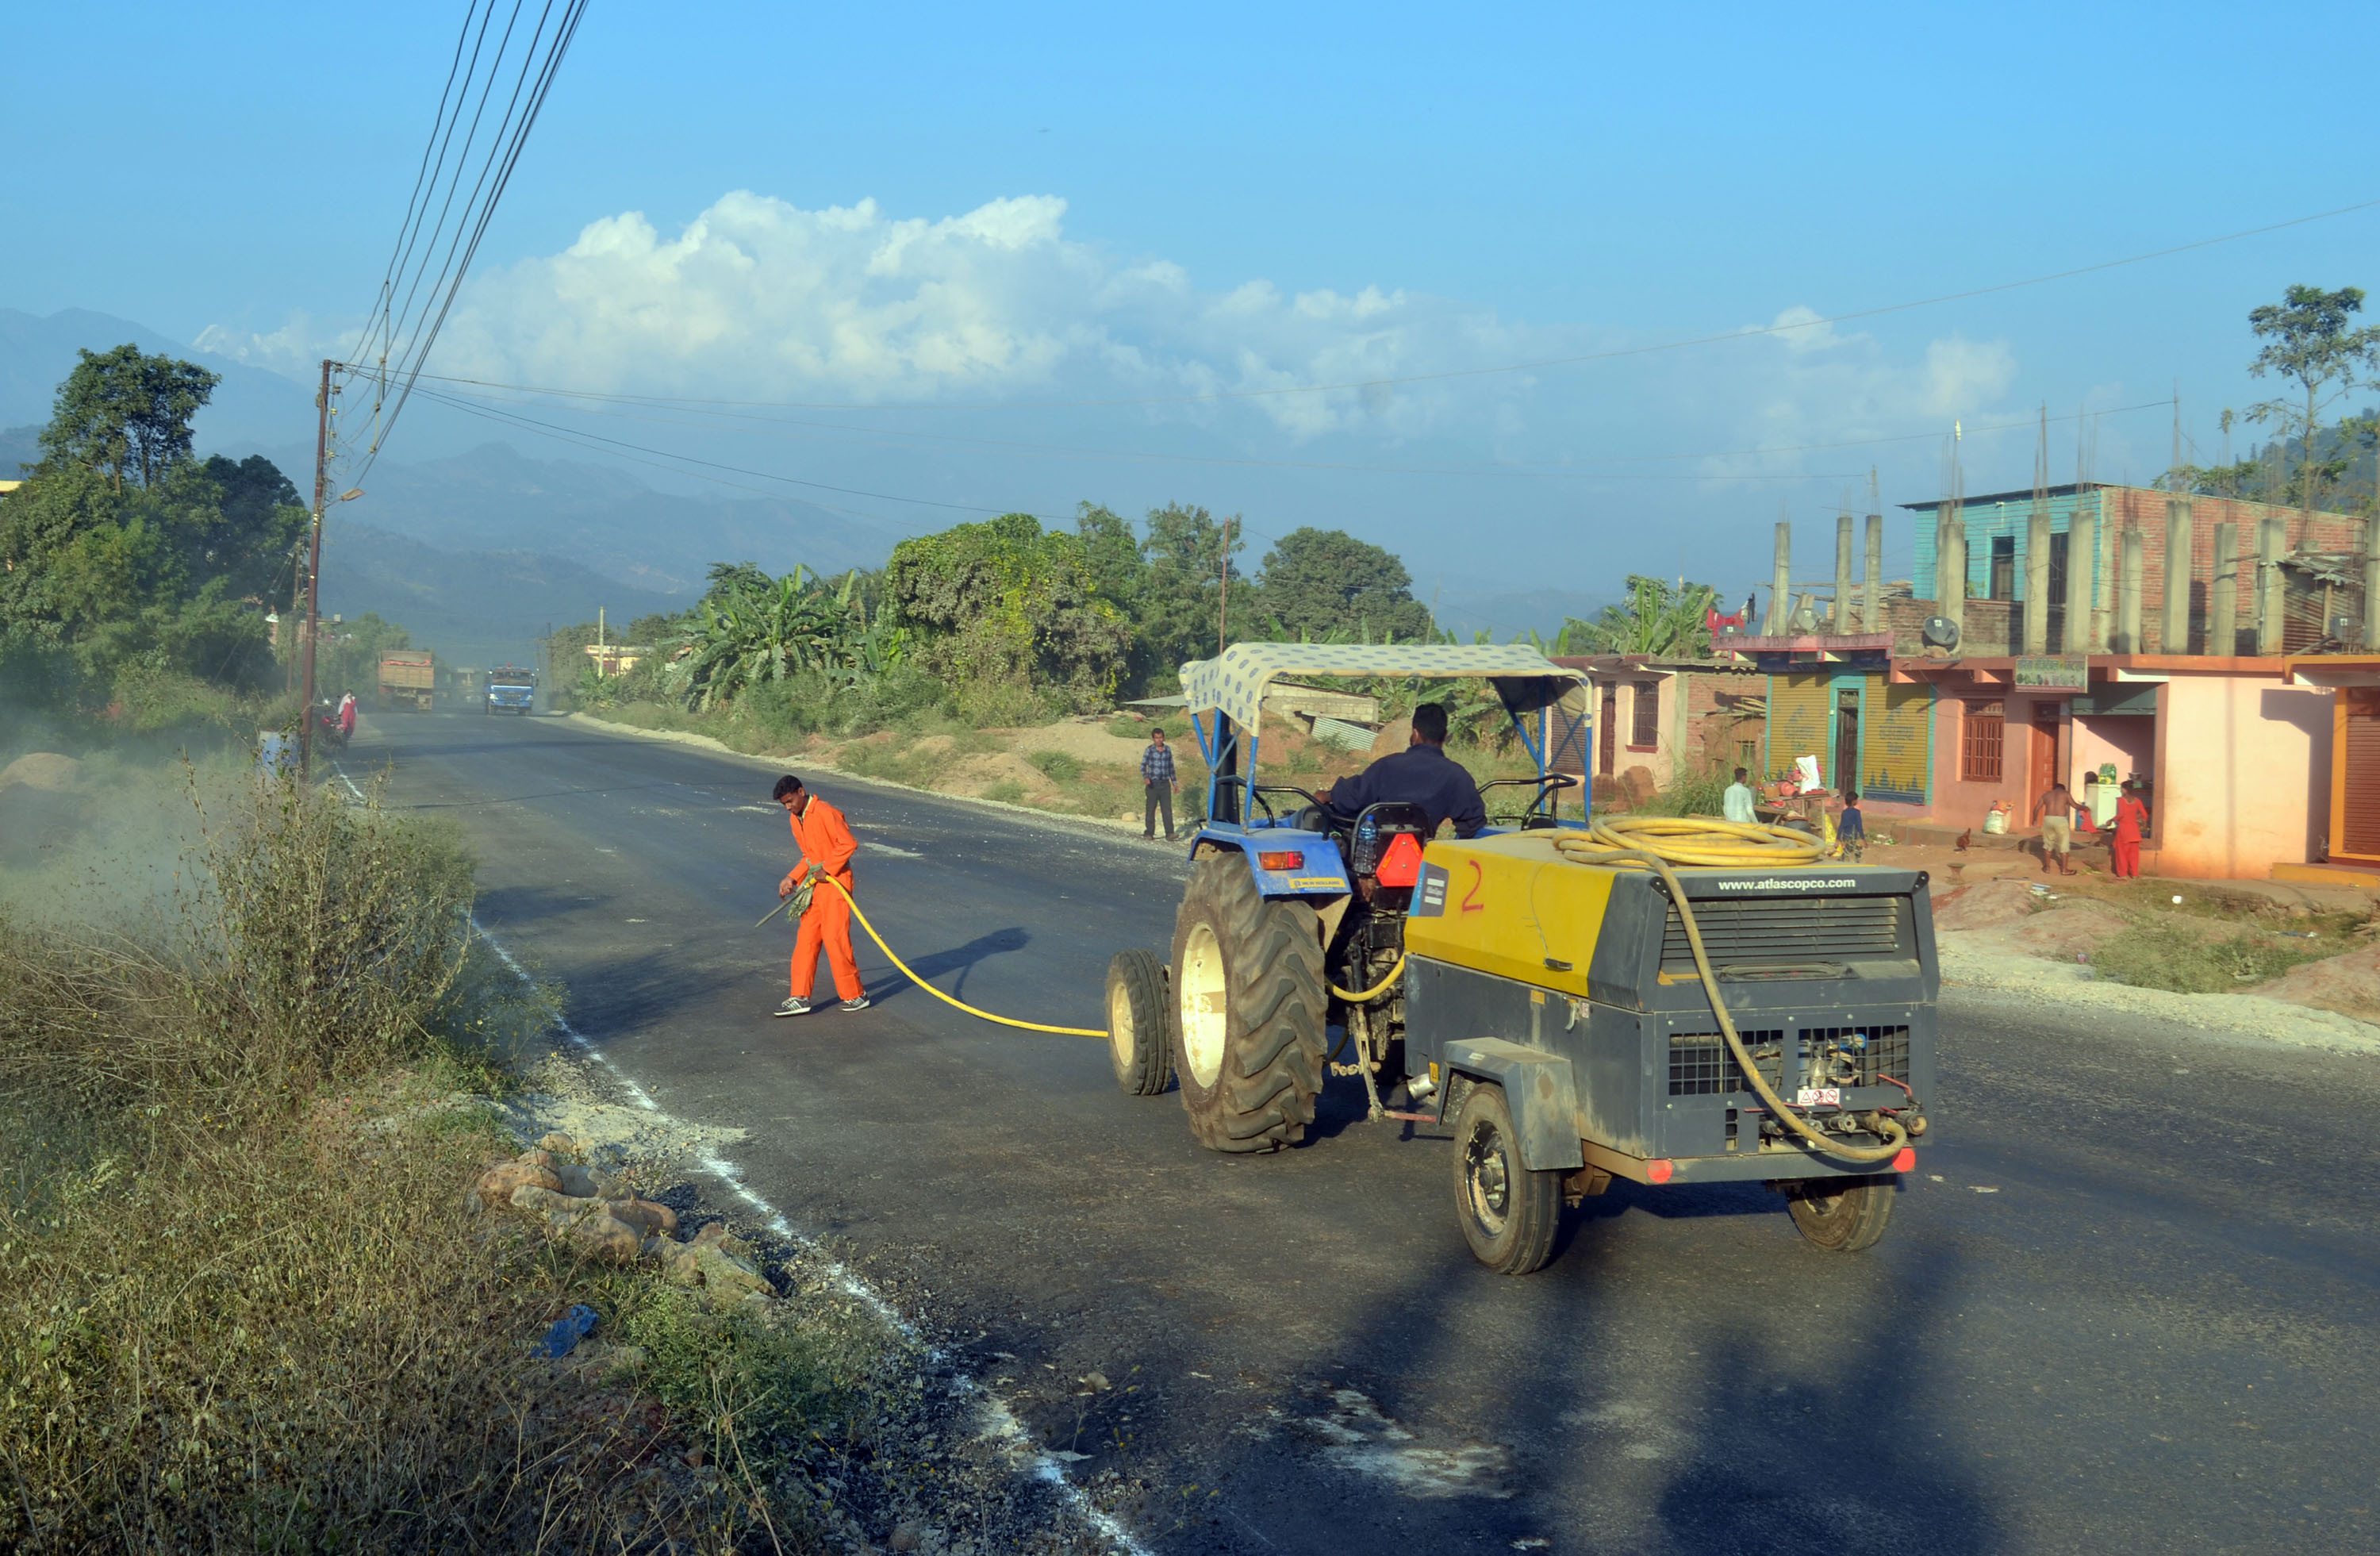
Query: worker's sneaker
{"type": "Point", "coordinates": [794, 1006]}
{"type": "Point", "coordinates": [859, 1004]}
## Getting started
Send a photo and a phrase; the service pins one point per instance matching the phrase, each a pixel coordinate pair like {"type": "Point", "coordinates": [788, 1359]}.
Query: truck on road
{"type": "Point", "coordinates": [409, 677]}
{"type": "Point", "coordinates": [511, 689]}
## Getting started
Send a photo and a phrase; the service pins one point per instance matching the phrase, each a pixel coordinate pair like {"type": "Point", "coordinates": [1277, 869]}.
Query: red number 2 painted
{"type": "Point", "coordinates": [1471, 903]}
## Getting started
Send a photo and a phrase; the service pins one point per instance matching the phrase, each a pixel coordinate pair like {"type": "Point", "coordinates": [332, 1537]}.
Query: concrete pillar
{"type": "Point", "coordinates": [2372, 584]}
{"type": "Point", "coordinates": [2128, 593]}
{"type": "Point", "coordinates": [1954, 565]}
{"type": "Point", "coordinates": [2086, 627]}
{"type": "Point", "coordinates": [2036, 580]}
{"type": "Point", "coordinates": [2223, 594]}
{"type": "Point", "coordinates": [1780, 592]}
{"type": "Point", "coordinates": [2272, 540]}
{"type": "Point", "coordinates": [1839, 619]}
{"type": "Point", "coordinates": [2176, 624]}
{"type": "Point", "coordinates": [1871, 578]}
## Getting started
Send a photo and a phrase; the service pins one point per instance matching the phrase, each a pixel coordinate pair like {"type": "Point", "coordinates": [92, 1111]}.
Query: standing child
{"type": "Point", "coordinates": [1850, 828]}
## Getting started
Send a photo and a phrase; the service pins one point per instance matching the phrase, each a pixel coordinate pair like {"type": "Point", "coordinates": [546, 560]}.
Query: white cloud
{"type": "Point", "coordinates": [850, 303]}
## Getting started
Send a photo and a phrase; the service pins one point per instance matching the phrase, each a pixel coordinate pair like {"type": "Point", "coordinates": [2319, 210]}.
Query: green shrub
{"type": "Point", "coordinates": [1056, 766]}
{"type": "Point", "coordinates": [2169, 956]}
{"type": "Point", "coordinates": [1008, 791]}
{"type": "Point", "coordinates": [1701, 794]}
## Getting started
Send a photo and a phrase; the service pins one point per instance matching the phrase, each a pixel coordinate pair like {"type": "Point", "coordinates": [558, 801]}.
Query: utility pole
{"type": "Point", "coordinates": [1224, 612]}
{"type": "Point", "coordinates": [314, 570]}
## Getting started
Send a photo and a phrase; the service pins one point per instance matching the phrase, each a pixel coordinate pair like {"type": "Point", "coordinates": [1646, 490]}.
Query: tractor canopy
{"type": "Point", "coordinates": [1234, 681]}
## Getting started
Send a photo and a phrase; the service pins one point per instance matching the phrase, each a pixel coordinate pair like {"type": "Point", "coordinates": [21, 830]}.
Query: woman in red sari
{"type": "Point", "coordinates": [2132, 820]}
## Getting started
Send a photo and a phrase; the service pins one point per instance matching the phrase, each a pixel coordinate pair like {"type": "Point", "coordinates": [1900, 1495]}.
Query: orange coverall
{"type": "Point", "coordinates": [825, 841]}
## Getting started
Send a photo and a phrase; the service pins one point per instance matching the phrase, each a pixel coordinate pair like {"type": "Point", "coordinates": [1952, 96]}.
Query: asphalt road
{"type": "Point", "coordinates": [2130, 1302]}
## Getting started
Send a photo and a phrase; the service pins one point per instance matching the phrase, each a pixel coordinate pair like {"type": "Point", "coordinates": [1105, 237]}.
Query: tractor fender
{"type": "Point", "coordinates": [1537, 1088]}
{"type": "Point", "coordinates": [1321, 874]}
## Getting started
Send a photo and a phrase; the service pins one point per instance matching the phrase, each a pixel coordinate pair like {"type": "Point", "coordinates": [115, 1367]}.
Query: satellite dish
{"type": "Point", "coordinates": [1941, 631]}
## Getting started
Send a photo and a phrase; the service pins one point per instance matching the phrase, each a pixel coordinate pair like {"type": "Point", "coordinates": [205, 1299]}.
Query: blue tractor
{"type": "Point", "coordinates": [1293, 907]}
{"type": "Point", "coordinates": [1660, 1000]}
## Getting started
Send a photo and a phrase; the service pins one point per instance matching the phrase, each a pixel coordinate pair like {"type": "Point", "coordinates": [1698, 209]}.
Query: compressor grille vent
{"type": "Point", "coordinates": [1771, 930]}
{"type": "Point", "coordinates": [1700, 1064]}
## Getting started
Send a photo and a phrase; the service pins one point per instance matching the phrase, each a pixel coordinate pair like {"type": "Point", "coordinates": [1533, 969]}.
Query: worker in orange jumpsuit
{"type": "Point", "coordinates": [2131, 822]}
{"type": "Point", "coordinates": [826, 845]}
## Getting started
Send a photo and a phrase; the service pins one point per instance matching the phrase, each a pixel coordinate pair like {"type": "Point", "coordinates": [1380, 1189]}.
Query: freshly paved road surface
{"type": "Point", "coordinates": [2130, 1301]}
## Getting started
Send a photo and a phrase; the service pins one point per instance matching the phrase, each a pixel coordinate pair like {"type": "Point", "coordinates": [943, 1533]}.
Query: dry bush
{"type": "Point", "coordinates": [240, 1305]}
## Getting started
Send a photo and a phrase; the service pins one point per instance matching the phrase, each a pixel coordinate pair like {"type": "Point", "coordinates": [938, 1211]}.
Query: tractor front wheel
{"type": "Point", "coordinates": [1249, 1002]}
{"type": "Point", "coordinates": [1509, 1214]}
{"type": "Point", "coordinates": [1140, 1039]}
{"type": "Point", "coordinates": [1842, 1215]}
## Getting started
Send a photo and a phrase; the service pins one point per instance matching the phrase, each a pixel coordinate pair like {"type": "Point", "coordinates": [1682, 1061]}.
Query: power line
{"type": "Point", "coordinates": [429, 270]}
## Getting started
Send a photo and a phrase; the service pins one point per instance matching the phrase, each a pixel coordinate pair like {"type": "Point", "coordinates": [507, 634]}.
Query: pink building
{"type": "Point", "coordinates": [2235, 759]}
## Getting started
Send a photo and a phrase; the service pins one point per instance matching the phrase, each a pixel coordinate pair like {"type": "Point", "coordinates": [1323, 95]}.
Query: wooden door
{"type": "Point", "coordinates": [2357, 773]}
{"type": "Point", "coordinates": [1606, 740]}
{"type": "Point", "coordinates": [2042, 759]}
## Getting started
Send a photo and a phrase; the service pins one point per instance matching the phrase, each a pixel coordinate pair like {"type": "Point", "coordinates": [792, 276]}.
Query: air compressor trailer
{"type": "Point", "coordinates": [1538, 986]}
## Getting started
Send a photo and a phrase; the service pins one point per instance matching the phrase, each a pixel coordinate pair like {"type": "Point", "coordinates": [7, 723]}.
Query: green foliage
{"type": "Point", "coordinates": [121, 555]}
{"type": "Point", "coordinates": [1655, 619]}
{"type": "Point", "coordinates": [2311, 340]}
{"type": "Point", "coordinates": [1176, 617]}
{"type": "Point", "coordinates": [751, 630]}
{"type": "Point", "coordinates": [125, 416]}
{"type": "Point", "coordinates": [2174, 956]}
{"type": "Point", "coordinates": [1001, 608]}
{"type": "Point", "coordinates": [1057, 766]}
{"type": "Point", "coordinates": [1320, 585]}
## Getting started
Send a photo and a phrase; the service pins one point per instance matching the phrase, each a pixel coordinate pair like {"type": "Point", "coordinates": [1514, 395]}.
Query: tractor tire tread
{"type": "Point", "coordinates": [1263, 1098]}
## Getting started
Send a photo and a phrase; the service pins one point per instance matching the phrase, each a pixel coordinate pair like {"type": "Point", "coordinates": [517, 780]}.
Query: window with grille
{"type": "Point", "coordinates": [1646, 706]}
{"type": "Point", "coordinates": [1982, 734]}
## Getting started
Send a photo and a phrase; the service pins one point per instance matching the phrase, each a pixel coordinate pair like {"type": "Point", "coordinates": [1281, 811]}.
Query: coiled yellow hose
{"type": "Point", "coordinates": [1657, 843]}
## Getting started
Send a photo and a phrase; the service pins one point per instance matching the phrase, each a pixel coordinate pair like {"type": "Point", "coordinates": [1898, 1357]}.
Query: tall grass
{"type": "Point", "coordinates": [240, 1304]}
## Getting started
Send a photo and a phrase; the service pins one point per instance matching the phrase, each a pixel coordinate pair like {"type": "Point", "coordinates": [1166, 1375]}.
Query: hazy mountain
{"type": "Point", "coordinates": [477, 607]}
{"type": "Point", "coordinates": [494, 498]}
{"type": "Point", "coordinates": [249, 405]}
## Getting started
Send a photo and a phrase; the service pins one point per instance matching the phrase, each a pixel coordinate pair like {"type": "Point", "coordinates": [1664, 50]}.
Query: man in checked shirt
{"type": "Point", "coordinates": [1156, 777]}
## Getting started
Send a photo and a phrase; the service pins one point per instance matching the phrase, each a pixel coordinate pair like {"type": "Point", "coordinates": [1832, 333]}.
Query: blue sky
{"type": "Point", "coordinates": [1121, 204]}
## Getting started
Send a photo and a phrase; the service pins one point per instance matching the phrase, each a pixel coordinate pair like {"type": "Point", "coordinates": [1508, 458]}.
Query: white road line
{"type": "Point", "coordinates": [1004, 1423]}
{"type": "Point", "coordinates": [897, 853]}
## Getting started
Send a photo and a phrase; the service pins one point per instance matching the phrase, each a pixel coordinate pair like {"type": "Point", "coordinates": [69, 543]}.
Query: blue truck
{"type": "Point", "coordinates": [511, 689]}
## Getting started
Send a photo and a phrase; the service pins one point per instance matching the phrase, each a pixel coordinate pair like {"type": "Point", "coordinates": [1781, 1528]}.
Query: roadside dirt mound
{"type": "Point", "coordinates": [42, 770]}
{"type": "Point", "coordinates": [2062, 930]}
{"type": "Point", "coordinates": [2349, 984]}
{"type": "Point", "coordinates": [1984, 905]}
{"type": "Point", "coordinates": [1085, 740]}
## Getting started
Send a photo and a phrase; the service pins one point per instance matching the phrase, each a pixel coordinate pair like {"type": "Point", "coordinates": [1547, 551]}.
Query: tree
{"type": "Point", "coordinates": [1655, 619]}
{"type": "Point", "coordinates": [125, 415]}
{"type": "Point", "coordinates": [1320, 583]}
{"type": "Point", "coordinates": [1180, 598]}
{"type": "Point", "coordinates": [1111, 555]}
{"type": "Point", "coordinates": [120, 551]}
{"type": "Point", "coordinates": [2308, 339]}
{"type": "Point", "coordinates": [1002, 604]}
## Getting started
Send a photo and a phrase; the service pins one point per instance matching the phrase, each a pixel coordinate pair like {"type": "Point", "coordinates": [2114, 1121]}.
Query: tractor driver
{"type": "Point", "coordinates": [1421, 774]}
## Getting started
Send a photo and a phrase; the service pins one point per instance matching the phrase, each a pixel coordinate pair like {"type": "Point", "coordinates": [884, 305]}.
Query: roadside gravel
{"type": "Point", "coordinates": [1971, 961]}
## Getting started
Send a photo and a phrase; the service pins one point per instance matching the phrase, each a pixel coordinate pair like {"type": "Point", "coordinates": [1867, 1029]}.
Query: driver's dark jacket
{"type": "Point", "coordinates": [1423, 775]}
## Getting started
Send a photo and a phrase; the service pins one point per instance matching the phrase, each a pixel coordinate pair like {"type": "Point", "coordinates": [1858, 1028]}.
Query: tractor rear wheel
{"type": "Point", "coordinates": [1249, 1003]}
{"type": "Point", "coordinates": [1509, 1214]}
{"type": "Point", "coordinates": [1140, 1039]}
{"type": "Point", "coordinates": [1842, 1215]}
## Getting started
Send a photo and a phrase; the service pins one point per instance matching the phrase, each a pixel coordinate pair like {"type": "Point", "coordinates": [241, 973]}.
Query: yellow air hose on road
{"type": "Point", "coordinates": [906, 971]}
{"type": "Point", "coordinates": [1659, 843]}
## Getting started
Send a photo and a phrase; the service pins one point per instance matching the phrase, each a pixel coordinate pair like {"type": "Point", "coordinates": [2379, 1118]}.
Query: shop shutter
{"type": "Point", "coordinates": [2361, 835]}
{"type": "Point", "coordinates": [1899, 724]}
{"type": "Point", "coordinates": [1801, 708]}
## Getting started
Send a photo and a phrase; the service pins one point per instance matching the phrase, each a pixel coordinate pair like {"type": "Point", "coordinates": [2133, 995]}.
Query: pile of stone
{"type": "Point", "coordinates": [603, 1219]}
